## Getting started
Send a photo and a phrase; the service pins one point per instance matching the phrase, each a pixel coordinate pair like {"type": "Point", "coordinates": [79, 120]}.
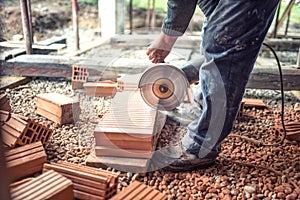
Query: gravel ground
{"type": "Point", "coordinates": [243, 170]}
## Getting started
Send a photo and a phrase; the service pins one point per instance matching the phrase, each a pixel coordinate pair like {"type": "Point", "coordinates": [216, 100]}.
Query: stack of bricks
{"type": "Point", "coordinates": [79, 76]}
{"type": "Point", "coordinates": [19, 130]}
{"type": "Point", "coordinates": [138, 190]}
{"type": "Point", "coordinates": [128, 129]}
{"type": "Point", "coordinates": [50, 185]}
{"type": "Point", "coordinates": [58, 108]}
{"type": "Point", "coordinates": [4, 103]}
{"type": "Point", "coordinates": [88, 182]}
{"type": "Point", "coordinates": [25, 161]}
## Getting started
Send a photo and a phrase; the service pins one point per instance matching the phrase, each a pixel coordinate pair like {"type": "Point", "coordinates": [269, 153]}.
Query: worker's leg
{"type": "Point", "coordinates": [232, 39]}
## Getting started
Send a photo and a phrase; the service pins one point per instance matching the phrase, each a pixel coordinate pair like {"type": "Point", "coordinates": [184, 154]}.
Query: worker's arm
{"type": "Point", "coordinates": [178, 17]}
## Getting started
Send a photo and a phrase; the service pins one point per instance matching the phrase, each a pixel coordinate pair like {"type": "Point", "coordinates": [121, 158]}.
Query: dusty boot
{"type": "Point", "coordinates": [185, 113]}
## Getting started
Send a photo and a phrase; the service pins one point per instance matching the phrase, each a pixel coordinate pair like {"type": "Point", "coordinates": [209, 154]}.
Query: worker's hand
{"type": "Point", "coordinates": [160, 48]}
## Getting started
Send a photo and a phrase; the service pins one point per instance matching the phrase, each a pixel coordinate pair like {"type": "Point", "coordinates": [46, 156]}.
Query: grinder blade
{"type": "Point", "coordinates": [163, 86]}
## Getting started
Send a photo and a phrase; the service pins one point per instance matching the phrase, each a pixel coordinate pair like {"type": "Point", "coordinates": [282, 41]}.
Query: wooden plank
{"type": "Point", "coordinates": [57, 66]}
{"type": "Point", "coordinates": [268, 78]}
{"type": "Point", "coordinates": [12, 81]}
{"type": "Point", "coordinates": [52, 40]}
{"type": "Point", "coordinates": [281, 44]}
{"type": "Point", "coordinates": [12, 53]}
{"type": "Point", "coordinates": [50, 47]}
{"type": "Point", "coordinates": [142, 40]}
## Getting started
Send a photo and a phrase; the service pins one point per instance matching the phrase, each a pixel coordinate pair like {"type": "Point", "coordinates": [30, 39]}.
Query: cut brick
{"type": "Point", "coordinates": [127, 131]}
{"type": "Point", "coordinates": [50, 185]}
{"type": "Point", "coordinates": [58, 108]}
{"type": "Point", "coordinates": [25, 161]}
{"type": "Point", "coordinates": [138, 190]}
{"type": "Point", "coordinates": [4, 103]}
{"type": "Point", "coordinates": [127, 134]}
{"type": "Point", "coordinates": [79, 76]}
{"type": "Point", "coordinates": [101, 88]}
{"type": "Point", "coordinates": [257, 103]}
{"type": "Point", "coordinates": [19, 130]}
{"type": "Point", "coordinates": [89, 183]}
{"type": "Point", "coordinates": [292, 130]}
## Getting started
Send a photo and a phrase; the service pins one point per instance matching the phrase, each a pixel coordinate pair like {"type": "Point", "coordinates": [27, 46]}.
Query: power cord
{"type": "Point", "coordinates": [258, 142]}
{"type": "Point", "coordinates": [282, 96]}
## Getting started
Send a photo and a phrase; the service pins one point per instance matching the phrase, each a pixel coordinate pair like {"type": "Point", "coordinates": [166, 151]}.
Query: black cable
{"type": "Point", "coordinates": [282, 96]}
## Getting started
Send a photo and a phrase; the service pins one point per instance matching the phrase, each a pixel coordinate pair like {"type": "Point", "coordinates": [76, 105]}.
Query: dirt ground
{"type": "Point", "coordinates": [49, 18]}
{"type": "Point", "coordinates": [54, 18]}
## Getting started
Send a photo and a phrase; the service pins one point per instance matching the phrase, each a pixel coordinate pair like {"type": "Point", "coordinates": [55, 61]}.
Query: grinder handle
{"type": "Point", "coordinates": [191, 69]}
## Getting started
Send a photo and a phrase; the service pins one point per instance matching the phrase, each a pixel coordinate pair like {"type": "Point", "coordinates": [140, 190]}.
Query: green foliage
{"type": "Point", "coordinates": [92, 2]}
{"type": "Point", "coordinates": [295, 13]}
{"type": "Point", "coordinates": [160, 6]}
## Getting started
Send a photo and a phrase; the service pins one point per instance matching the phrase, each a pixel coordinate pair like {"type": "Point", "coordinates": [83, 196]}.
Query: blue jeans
{"type": "Point", "coordinates": [232, 37]}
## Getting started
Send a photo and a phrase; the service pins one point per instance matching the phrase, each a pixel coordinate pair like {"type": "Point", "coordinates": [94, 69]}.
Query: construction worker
{"type": "Point", "coordinates": [232, 35]}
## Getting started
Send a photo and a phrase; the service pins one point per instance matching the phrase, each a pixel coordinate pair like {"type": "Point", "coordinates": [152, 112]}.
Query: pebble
{"type": "Point", "coordinates": [249, 189]}
{"type": "Point", "coordinates": [225, 180]}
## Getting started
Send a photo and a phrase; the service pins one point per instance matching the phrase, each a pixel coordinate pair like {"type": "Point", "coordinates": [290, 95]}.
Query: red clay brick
{"type": "Point", "coordinates": [4, 103]}
{"type": "Point", "coordinates": [138, 190]}
{"type": "Point", "coordinates": [79, 76]}
{"type": "Point", "coordinates": [25, 161]}
{"type": "Point", "coordinates": [100, 89]}
{"type": "Point", "coordinates": [19, 130]}
{"type": "Point", "coordinates": [49, 185]}
{"type": "Point", "coordinates": [58, 108]}
{"type": "Point", "coordinates": [88, 182]}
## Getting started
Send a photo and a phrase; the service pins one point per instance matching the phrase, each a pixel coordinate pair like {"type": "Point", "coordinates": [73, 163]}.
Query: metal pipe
{"type": "Point", "coordinates": [30, 20]}
{"type": "Point", "coordinates": [153, 19]}
{"type": "Point", "coordinates": [147, 23]}
{"type": "Point", "coordinates": [287, 24]}
{"type": "Point", "coordinates": [75, 23]}
{"type": "Point", "coordinates": [25, 23]}
{"type": "Point", "coordinates": [130, 16]}
{"type": "Point", "coordinates": [276, 20]}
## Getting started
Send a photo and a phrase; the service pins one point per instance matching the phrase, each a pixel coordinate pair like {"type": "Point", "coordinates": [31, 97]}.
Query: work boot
{"type": "Point", "coordinates": [185, 113]}
{"type": "Point", "coordinates": [174, 158]}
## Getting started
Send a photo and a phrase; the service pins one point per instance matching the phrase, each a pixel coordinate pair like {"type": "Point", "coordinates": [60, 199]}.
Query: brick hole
{"type": "Point", "coordinates": [34, 138]}
{"type": "Point", "coordinates": [24, 140]}
{"type": "Point", "coordinates": [38, 129]}
{"type": "Point", "coordinates": [47, 138]}
{"type": "Point", "coordinates": [29, 133]}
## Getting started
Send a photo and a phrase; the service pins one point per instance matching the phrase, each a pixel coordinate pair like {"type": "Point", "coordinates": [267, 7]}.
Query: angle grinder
{"type": "Point", "coordinates": [165, 86]}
